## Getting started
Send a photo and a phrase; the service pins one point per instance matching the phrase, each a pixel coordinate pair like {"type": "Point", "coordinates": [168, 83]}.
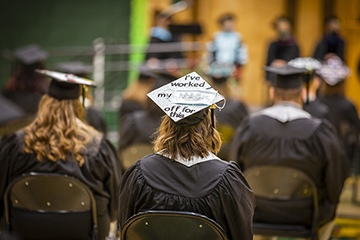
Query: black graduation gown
{"type": "Point", "coordinates": [95, 119]}
{"type": "Point", "coordinates": [138, 127]}
{"type": "Point", "coordinates": [228, 119]}
{"type": "Point", "coordinates": [305, 143]}
{"type": "Point", "coordinates": [28, 101]}
{"type": "Point", "coordinates": [346, 121]}
{"type": "Point", "coordinates": [318, 109]}
{"type": "Point", "coordinates": [100, 172]}
{"type": "Point", "coordinates": [287, 51]}
{"type": "Point", "coordinates": [214, 188]}
{"type": "Point", "coordinates": [129, 106]}
{"type": "Point", "coordinates": [330, 44]}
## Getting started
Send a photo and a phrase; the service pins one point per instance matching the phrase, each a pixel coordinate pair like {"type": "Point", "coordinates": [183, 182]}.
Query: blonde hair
{"type": "Point", "coordinates": [57, 131]}
{"type": "Point", "coordinates": [187, 142]}
{"type": "Point", "coordinates": [138, 90]}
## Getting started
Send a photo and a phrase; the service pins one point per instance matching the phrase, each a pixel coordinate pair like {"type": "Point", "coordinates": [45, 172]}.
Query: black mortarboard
{"type": "Point", "coordinates": [78, 68]}
{"type": "Point", "coordinates": [30, 54]}
{"type": "Point", "coordinates": [287, 77]}
{"type": "Point", "coordinates": [65, 86]}
{"type": "Point", "coordinates": [186, 100]}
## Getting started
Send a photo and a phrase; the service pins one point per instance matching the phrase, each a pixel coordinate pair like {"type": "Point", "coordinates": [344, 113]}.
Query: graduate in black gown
{"type": "Point", "coordinates": [284, 48]}
{"type": "Point", "coordinates": [92, 115]}
{"type": "Point", "coordinates": [332, 93]}
{"type": "Point", "coordinates": [25, 88]}
{"type": "Point", "coordinates": [332, 43]}
{"type": "Point", "coordinates": [286, 135]}
{"type": "Point", "coordinates": [58, 141]}
{"type": "Point", "coordinates": [185, 174]}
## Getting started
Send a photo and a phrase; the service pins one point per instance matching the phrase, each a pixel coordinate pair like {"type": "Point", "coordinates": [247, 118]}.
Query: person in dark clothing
{"type": "Point", "coordinates": [332, 93]}
{"type": "Point", "coordinates": [312, 104]}
{"type": "Point", "coordinates": [332, 43]}
{"type": "Point", "coordinates": [92, 115]}
{"type": "Point", "coordinates": [229, 118]}
{"type": "Point", "coordinates": [284, 48]}
{"type": "Point", "coordinates": [58, 141]}
{"type": "Point", "coordinates": [286, 135]}
{"type": "Point", "coordinates": [25, 87]}
{"type": "Point", "coordinates": [185, 174]}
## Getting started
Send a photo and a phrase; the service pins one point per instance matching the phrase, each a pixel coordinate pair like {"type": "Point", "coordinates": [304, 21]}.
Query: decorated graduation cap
{"type": "Point", "coordinates": [333, 71]}
{"type": "Point", "coordinates": [309, 64]}
{"type": "Point", "coordinates": [186, 100]}
{"type": "Point", "coordinates": [77, 68]}
{"type": "Point", "coordinates": [30, 54]}
{"type": "Point", "coordinates": [287, 77]}
{"type": "Point", "coordinates": [65, 86]}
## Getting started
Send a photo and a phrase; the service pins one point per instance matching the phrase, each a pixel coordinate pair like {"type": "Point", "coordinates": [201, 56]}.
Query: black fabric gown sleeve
{"type": "Point", "coordinates": [128, 131]}
{"type": "Point", "coordinates": [8, 150]}
{"type": "Point", "coordinates": [242, 135]}
{"type": "Point", "coordinates": [112, 180]}
{"type": "Point", "coordinates": [96, 120]}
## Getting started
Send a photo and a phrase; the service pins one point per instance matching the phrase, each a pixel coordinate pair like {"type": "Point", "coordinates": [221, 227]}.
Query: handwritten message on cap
{"type": "Point", "coordinates": [185, 96]}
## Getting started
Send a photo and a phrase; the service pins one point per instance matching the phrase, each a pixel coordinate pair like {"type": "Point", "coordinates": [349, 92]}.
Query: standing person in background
{"type": "Point", "coordinates": [284, 48]}
{"type": "Point", "coordinates": [332, 93]}
{"type": "Point", "coordinates": [58, 141]}
{"type": "Point", "coordinates": [332, 43]}
{"type": "Point", "coordinates": [25, 87]}
{"type": "Point", "coordinates": [228, 48]}
{"type": "Point", "coordinates": [92, 116]}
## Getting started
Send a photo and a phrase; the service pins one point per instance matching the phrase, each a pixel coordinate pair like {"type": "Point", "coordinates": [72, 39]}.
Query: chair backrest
{"type": "Point", "coordinates": [174, 225]}
{"type": "Point", "coordinates": [280, 182]}
{"type": "Point", "coordinates": [50, 206]}
{"type": "Point", "coordinates": [133, 153]}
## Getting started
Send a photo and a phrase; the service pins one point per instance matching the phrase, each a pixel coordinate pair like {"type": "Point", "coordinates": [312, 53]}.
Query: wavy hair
{"type": "Point", "coordinates": [57, 131]}
{"type": "Point", "coordinates": [187, 142]}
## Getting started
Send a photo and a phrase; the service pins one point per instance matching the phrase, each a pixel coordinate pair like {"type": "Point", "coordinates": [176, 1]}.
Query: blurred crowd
{"type": "Point", "coordinates": [308, 124]}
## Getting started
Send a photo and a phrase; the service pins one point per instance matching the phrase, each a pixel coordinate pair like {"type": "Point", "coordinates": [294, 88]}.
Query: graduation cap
{"type": "Point", "coordinates": [333, 71]}
{"type": "Point", "coordinates": [186, 100]}
{"type": "Point", "coordinates": [77, 68]}
{"type": "Point", "coordinates": [309, 64]}
{"type": "Point", "coordinates": [65, 86]}
{"type": "Point", "coordinates": [30, 54]}
{"type": "Point", "coordinates": [287, 77]}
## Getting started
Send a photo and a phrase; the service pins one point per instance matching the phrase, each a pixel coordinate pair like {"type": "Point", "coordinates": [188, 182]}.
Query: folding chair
{"type": "Point", "coordinates": [50, 206]}
{"type": "Point", "coordinates": [174, 225]}
{"type": "Point", "coordinates": [281, 183]}
{"type": "Point", "coordinates": [133, 153]}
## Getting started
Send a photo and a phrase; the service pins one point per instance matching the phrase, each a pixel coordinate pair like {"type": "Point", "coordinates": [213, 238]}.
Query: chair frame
{"type": "Point", "coordinates": [314, 195]}
{"type": "Point", "coordinates": [45, 175]}
{"type": "Point", "coordinates": [201, 217]}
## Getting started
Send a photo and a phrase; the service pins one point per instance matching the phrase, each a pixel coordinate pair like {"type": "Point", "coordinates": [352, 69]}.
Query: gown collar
{"type": "Point", "coordinates": [193, 160]}
{"type": "Point", "coordinates": [285, 112]}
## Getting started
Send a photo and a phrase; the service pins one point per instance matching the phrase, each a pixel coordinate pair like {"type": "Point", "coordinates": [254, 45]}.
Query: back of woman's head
{"type": "Point", "coordinates": [57, 131]}
{"type": "Point", "coordinates": [187, 141]}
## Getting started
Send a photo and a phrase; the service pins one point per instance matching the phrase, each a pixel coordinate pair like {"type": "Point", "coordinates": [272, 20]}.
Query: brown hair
{"type": "Point", "coordinates": [138, 90]}
{"type": "Point", "coordinates": [336, 90]}
{"type": "Point", "coordinates": [57, 130]}
{"type": "Point", "coordinates": [288, 94]}
{"type": "Point", "coordinates": [186, 142]}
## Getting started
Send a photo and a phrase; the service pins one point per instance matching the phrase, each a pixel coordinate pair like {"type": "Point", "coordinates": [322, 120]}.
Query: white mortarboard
{"type": "Point", "coordinates": [333, 71]}
{"type": "Point", "coordinates": [65, 86]}
{"type": "Point", "coordinates": [30, 54]}
{"type": "Point", "coordinates": [307, 63]}
{"type": "Point", "coordinates": [186, 100]}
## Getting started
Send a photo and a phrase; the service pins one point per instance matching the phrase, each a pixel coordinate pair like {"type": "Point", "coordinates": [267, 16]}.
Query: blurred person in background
{"type": "Point", "coordinates": [92, 116]}
{"type": "Point", "coordinates": [286, 135]}
{"type": "Point", "coordinates": [233, 114]}
{"type": "Point", "coordinates": [332, 43]}
{"type": "Point", "coordinates": [283, 49]}
{"type": "Point", "coordinates": [58, 141]}
{"type": "Point", "coordinates": [228, 48]}
{"type": "Point", "coordinates": [333, 72]}
{"type": "Point", "coordinates": [25, 87]}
